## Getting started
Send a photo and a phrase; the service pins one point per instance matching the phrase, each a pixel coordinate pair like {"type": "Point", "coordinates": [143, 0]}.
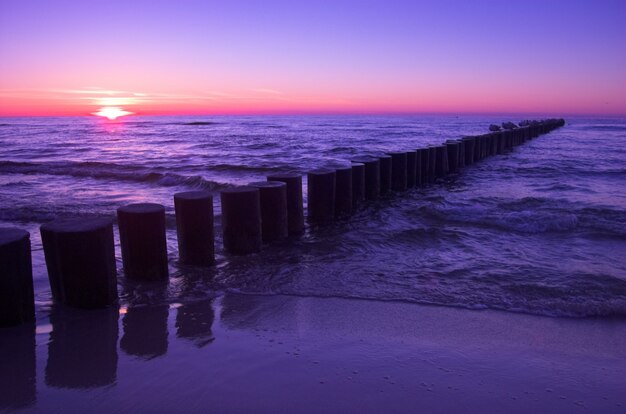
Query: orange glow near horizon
{"type": "Point", "coordinates": [111, 112]}
{"type": "Point", "coordinates": [382, 98]}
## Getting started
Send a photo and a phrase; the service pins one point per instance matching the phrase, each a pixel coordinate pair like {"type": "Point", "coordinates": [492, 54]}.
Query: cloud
{"type": "Point", "coordinates": [267, 91]}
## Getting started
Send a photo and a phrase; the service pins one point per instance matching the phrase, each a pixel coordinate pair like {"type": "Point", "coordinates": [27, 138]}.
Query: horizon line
{"type": "Point", "coordinates": [328, 113]}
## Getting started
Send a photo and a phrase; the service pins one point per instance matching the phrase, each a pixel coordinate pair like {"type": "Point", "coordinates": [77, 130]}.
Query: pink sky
{"type": "Point", "coordinates": [72, 58]}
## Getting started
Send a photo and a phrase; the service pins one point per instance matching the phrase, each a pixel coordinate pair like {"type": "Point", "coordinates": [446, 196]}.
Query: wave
{"type": "Point", "coordinates": [571, 306]}
{"type": "Point", "coordinates": [42, 213]}
{"type": "Point", "coordinates": [99, 170]}
{"type": "Point", "coordinates": [198, 123]}
{"type": "Point", "coordinates": [616, 128]}
{"type": "Point", "coordinates": [532, 215]}
{"type": "Point", "coordinates": [567, 168]}
{"type": "Point", "coordinates": [235, 167]}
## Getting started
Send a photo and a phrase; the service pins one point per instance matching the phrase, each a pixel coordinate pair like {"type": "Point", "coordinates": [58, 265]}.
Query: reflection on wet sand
{"type": "Point", "coordinates": [82, 349]}
{"type": "Point", "coordinates": [194, 321]}
{"type": "Point", "coordinates": [17, 367]}
{"type": "Point", "coordinates": [145, 331]}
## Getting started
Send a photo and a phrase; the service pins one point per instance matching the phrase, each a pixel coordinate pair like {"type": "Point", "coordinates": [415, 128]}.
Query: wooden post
{"type": "Point", "coordinates": [194, 227]}
{"type": "Point", "coordinates": [273, 199]}
{"type": "Point", "coordinates": [143, 242]}
{"type": "Point", "coordinates": [80, 258]}
{"type": "Point", "coordinates": [17, 303]}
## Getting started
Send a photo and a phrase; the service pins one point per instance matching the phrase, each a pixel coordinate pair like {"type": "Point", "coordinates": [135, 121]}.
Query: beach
{"type": "Point", "coordinates": [499, 288]}
{"type": "Point", "coordinates": [282, 354]}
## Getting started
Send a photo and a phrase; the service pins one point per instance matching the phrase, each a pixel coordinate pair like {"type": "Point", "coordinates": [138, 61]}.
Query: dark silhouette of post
{"type": "Point", "coordinates": [500, 143]}
{"type": "Point", "coordinates": [17, 303]}
{"type": "Point", "coordinates": [461, 160]}
{"type": "Point", "coordinates": [453, 156]}
{"type": "Point", "coordinates": [385, 173]}
{"type": "Point", "coordinates": [80, 258]}
{"type": "Point", "coordinates": [321, 195]}
{"type": "Point", "coordinates": [411, 168]}
{"type": "Point", "coordinates": [145, 331]}
{"type": "Point", "coordinates": [194, 227]}
{"type": "Point", "coordinates": [82, 349]}
{"type": "Point", "coordinates": [418, 168]}
{"type": "Point", "coordinates": [358, 184]}
{"type": "Point", "coordinates": [372, 176]}
{"type": "Point", "coordinates": [143, 242]}
{"type": "Point", "coordinates": [432, 163]}
{"type": "Point", "coordinates": [241, 219]}
{"type": "Point", "coordinates": [398, 171]}
{"type": "Point", "coordinates": [295, 206]}
{"type": "Point", "coordinates": [470, 143]}
{"type": "Point", "coordinates": [535, 130]}
{"type": "Point", "coordinates": [343, 191]}
{"type": "Point", "coordinates": [477, 148]}
{"type": "Point", "coordinates": [483, 146]}
{"type": "Point", "coordinates": [442, 161]}
{"type": "Point", "coordinates": [494, 143]}
{"type": "Point", "coordinates": [424, 155]}
{"type": "Point", "coordinates": [273, 197]}
{"type": "Point", "coordinates": [508, 143]}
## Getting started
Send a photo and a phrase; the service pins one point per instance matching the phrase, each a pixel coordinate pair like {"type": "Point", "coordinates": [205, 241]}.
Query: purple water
{"type": "Point", "coordinates": [540, 230]}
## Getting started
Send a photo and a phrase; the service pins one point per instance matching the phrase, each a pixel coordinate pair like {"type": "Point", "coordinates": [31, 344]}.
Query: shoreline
{"type": "Point", "coordinates": [241, 352]}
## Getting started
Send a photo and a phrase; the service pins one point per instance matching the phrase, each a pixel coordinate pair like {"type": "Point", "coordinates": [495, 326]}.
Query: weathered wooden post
{"type": "Point", "coordinates": [442, 161]}
{"type": "Point", "coordinates": [194, 227]}
{"type": "Point", "coordinates": [143, 242]}
{"type": "Point", "coordinates": [343, 191]}
{"type": "Point", "coordinates": [17, 303]}
{"type": "Point", "coordinates": [80, 258]}
{"type": "Point", "coordinates": [385, 173]}
{"type": "Point", "coordinates": [273, 199]}
{"type": "Point", "coordinates": [321, 186]}
{"type": "Point", "coordinates": [424, 155]}
{"type": "Point", "coordinates": [501, 143]}
{"type": "Point", "coordinates": [295, 206]}
{"type": "Point", "coordinates": [411, 169]}
{"type": "Point", "coordinates": [372, 176]}
{"type": "Point", "coordinates": [432, 163]}
{"type": "Point", "coordinates": [453, 156]}
{"type": "Point", "coordinates": [358, 184]}
{"type": "Point", "coordinates": [470, 143]}
{"type": "Point", "coordinates": [241, 219]}
{"type": "Point", "coordinates": [418, 168]}
{"type": "Point", "coordinates": [398, 171]}
{"type": "Point", "coordinates": [461, 161]}
{"type": "Point", "coordinates": [478, 148]}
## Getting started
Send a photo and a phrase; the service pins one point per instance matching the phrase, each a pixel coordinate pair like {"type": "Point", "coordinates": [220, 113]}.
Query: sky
{"type": "Point", "coordinates": [280, 57]}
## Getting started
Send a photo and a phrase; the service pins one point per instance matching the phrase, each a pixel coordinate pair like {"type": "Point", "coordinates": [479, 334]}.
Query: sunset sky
{"type": "Point", "coordinates": [215, 57]}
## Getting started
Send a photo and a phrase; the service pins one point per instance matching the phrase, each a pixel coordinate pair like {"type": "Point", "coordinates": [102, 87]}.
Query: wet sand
{"type": "Point", "coordinates": [280, 354]}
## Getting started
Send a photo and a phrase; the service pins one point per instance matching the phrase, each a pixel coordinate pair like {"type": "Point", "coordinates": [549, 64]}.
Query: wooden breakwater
{"type": "Point", "coordinates": [79, 253]}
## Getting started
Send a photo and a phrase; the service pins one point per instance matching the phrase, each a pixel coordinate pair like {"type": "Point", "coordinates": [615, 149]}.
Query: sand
{"type": "Point", "coordinates": [277, 354]}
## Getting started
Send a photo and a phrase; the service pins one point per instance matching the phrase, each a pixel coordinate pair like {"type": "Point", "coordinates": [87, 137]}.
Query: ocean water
{"type": "Point", "coordinates": [539, 230]}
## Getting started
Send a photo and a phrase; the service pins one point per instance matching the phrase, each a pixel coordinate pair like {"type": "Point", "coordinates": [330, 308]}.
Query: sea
{"type": "Point", "coordinates": [539, 230]}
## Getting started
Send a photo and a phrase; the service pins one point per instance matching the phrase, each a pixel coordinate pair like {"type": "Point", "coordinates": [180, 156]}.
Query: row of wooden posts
{"type": "Point", "coordinates": [80, 253]}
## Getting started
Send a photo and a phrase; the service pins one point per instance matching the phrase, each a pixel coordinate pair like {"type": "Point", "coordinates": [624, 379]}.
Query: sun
{"type": "Point", "coordinates": [111, 112]}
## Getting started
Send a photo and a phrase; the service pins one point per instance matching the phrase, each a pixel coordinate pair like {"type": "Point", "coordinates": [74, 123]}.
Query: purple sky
{"type": "Point", "coordinates": [72, 57]}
